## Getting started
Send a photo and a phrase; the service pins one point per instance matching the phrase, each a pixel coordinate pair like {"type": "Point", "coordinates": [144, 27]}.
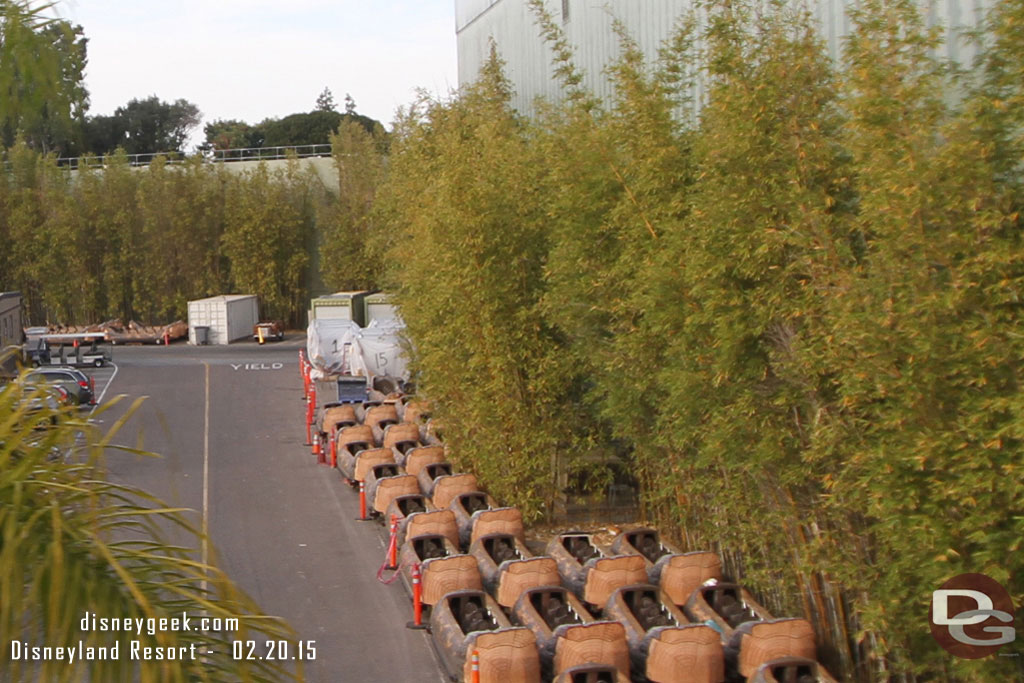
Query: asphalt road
{"type": "Point", "coordinates": [229, 425]}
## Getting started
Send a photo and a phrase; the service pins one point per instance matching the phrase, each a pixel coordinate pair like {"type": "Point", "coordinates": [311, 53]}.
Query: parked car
{"type": "Point", "coordinates": [47, 402]}
{"type": "Point", "coordinates": [38, 407]}
{"type": "Point", "coordinates": [79, 386]}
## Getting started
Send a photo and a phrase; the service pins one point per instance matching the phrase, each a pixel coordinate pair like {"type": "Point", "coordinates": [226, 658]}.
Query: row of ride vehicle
{"type": "Point", "coordinates": [500, 608]}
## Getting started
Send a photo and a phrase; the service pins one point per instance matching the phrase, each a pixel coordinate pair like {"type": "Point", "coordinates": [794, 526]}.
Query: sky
{"type": "Point", "coordinates": [254, 59]}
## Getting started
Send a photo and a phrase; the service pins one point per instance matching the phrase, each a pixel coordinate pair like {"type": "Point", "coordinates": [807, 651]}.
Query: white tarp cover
{"type": "Point", "coordinates": [341, 347]}
{"type": "Point", "coordinates": [382, 351]}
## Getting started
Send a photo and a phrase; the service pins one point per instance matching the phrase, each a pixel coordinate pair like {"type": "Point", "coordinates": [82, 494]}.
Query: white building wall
{"type": "Point", "coordinates": [588, 26]}
{"type": "Point", "coordinates": [510, 24]}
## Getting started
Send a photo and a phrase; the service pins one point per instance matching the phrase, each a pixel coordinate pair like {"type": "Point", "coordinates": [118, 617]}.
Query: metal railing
{"type": "Point", "coordinates": [212, 156]}
{"type": "Point", "coordinates": [269, 153]}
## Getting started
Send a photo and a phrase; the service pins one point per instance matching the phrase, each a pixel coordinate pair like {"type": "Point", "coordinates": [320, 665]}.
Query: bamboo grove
{"type": "Point", "coordinates": [794, 306]}
{"type": "Point", "coordinates": [139, 243]}
{"type": "Point", "coordinates": [797, 307]}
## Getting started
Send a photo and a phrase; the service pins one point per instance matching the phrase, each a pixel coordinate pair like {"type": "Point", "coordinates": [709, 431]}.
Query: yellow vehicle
{"type": "Point", "coordinates": [265, 331]}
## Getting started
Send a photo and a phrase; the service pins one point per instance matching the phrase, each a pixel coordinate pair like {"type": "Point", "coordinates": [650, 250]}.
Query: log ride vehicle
{"type": "Point", "coordinates": [467, 621]}
{"type": "Point", "coordinates": [436, 524]}
{"type": "Point", "coordinates": [549, 611]}
{"type": "Point", "coordinates": [366, 460]}
{"type": "Point", "coordinates": [378, 415]}
{"type": "Point", "coordinates": [417, 458]}
{"type": "Point", "coordinates": [599, 642]}
{"type": "Point", "coordinates": [431, 542]}
{"type": "Point", "coordinates": [140, 333]}
{"type": "Point", "coordinates": [508, 568]}
{"type": "Point", "coordinates": [428, 474]}
{"type": "Point", "coordinates": [431, 522]}
{"type": "Point", "coordinates": [790, 670]}
{"type": "Point", "coordinates": [432, 432]}
{"type": "Point", "coordinates": [447, 487]}
{"type": "Point", "coordinates": [591, 673]}
{"type": "Point", "coordinates": [337, 415]}
{"type": "Point", "coordinates": [662, 640]}
{"type": "Point", "coordinates": [588, 572]}
{"type": "Point", "coordinates": [401, 437]}
{"type": "Point", "coordinates": [351, 443]}
{"type": "Point", "coordinates": [678, 574]}
{"type": "Point", "coordinates": [415, 411]}
{"type": "Point", "coordinates": [467, 507]}
{"type": "Point", "coordinates": [384, 483]}
{"type": "Point", "coordinates": [751, 636]}
{"type": "Point", "coordinates": [402, 507]}
{"type": "Point", "coordinates": [507, 520]}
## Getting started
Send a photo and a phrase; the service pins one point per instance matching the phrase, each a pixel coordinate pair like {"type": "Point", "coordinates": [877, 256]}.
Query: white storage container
{"type": "Point", "coordinates": [225, 318]}
{"type": "Point", "coordinates": [339, 306]}
{"type": "Point", "coordinates": [379, 308]}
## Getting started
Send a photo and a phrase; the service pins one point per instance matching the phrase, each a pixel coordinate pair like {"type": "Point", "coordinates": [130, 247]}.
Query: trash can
{"type": "Point", "coordinates": [202, 335]}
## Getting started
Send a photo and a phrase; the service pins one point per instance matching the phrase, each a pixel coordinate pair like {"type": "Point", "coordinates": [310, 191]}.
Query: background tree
{"type": "Point", "coordinates": [42, 61]}
{"type": "Point", "coordinates": [61, 266]}
{"type": "Point", "coordinates": [182, 218]}
{"type": "Point", "coordinates": [739, 292]}
{"type": "Point", "coordinates": [27, 243]}
{"type": "Point", "coordinates": [232, 134]}
{"type": "Point", "coordinates": [922, 345]}
{"type": "Point", "coordinates": [268, 225]}
{"type": "Point", "coordinates": [58, 132]}
{"type": "Point", "coordinates": [325, 101]}
{"type": "Point", "coordinates": [314, 128]}
{"type": "Point", "coordinates": [119, 231]}
{"type": "Point", "coordinates": [345, 222]}
{"type": "Point", "coordinates": [109, 241]}
{"type": "Point", "coordinates": [151, 125]}
{"type": "Point", "coordinates": [634, 166]}
{"type": "Point", "coordinates": [104, 134]}
{"type": "Point", "coordinates": [468, 242]}
{"type": "Point", "coordinates": [138, 243]}
{"type": "Point", "coordinates": [798, 315]}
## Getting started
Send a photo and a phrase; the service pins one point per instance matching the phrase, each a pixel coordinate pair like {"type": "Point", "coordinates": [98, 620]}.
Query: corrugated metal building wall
{"type": "Point", "coordinates": [10, 319]}
{"type": "Point", "coordinates": [588, 26]}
